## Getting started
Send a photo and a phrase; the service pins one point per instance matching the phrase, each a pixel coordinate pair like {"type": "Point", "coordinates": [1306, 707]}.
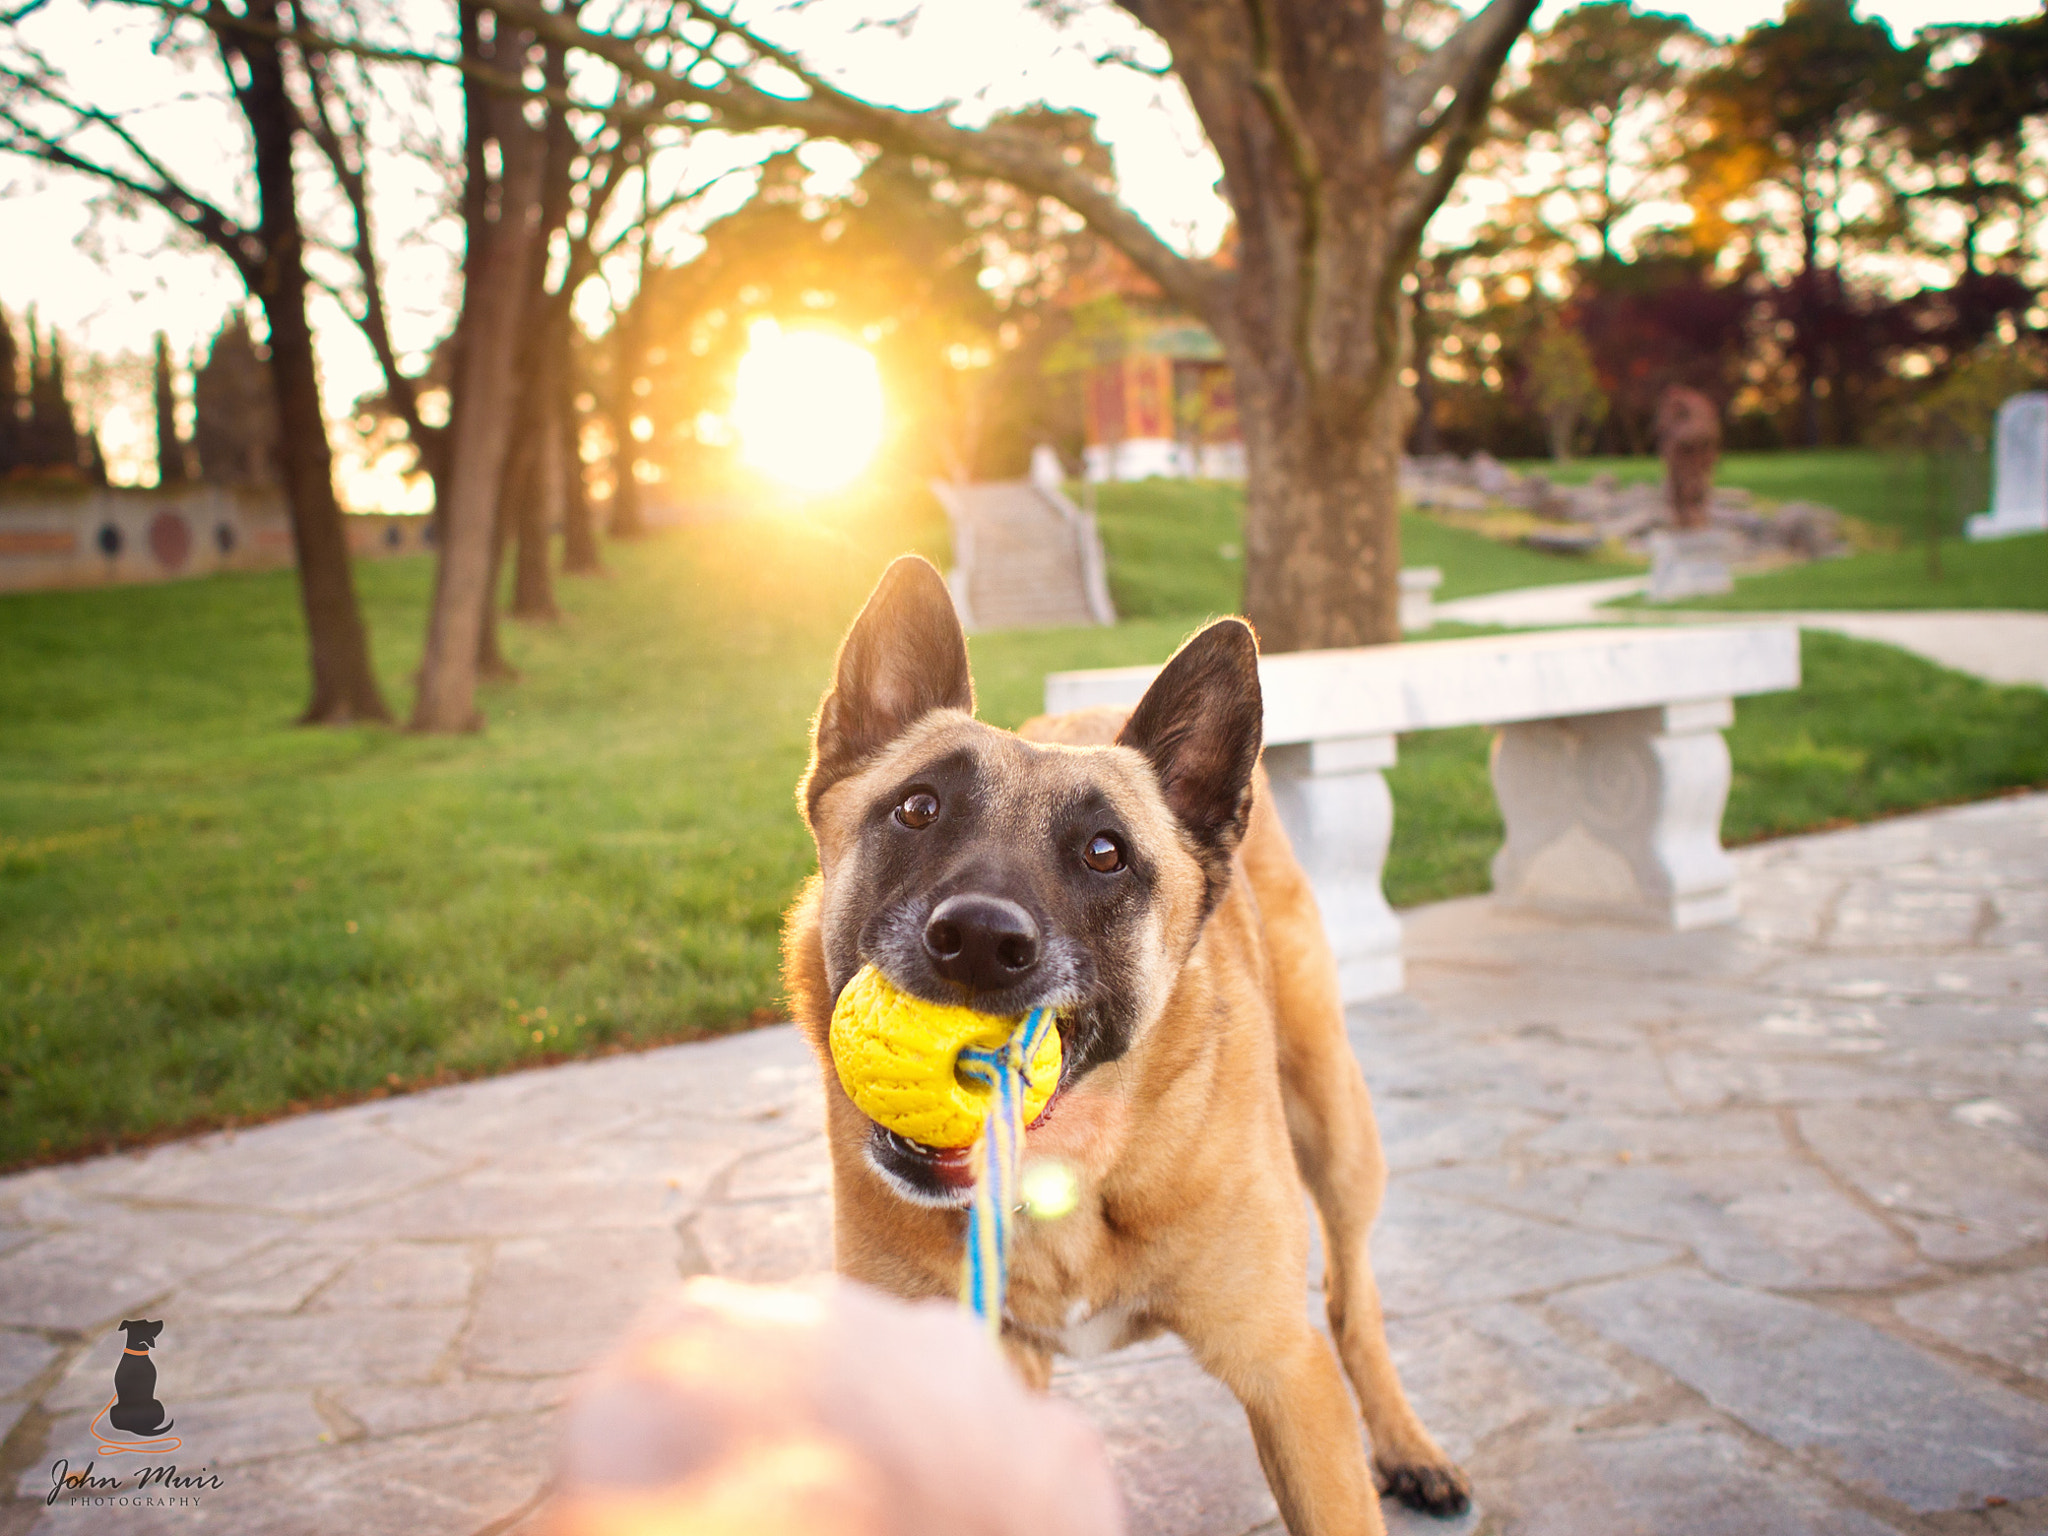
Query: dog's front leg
{"type": "Point", "coordinates": [1032, 1364]}
{"type": "Point", "coordinates": [1285, 1375]}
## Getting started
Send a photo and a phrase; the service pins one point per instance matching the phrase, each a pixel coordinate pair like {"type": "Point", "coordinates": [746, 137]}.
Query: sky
{"type": "Point", "coordinates": [105, 278]}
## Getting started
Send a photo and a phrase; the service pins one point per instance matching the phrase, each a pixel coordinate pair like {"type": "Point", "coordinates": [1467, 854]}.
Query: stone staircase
{"type": "Point", "coordinates": [1024, 557]}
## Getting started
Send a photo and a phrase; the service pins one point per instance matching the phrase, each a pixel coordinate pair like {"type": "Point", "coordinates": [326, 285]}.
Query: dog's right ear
{"type": "Point", "coordinates": [904, 657]}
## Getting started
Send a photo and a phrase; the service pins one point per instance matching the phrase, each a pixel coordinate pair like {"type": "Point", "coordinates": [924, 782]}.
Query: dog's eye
{"type": "Point", "coordinates": [1103, 854]}
{"type": "Point", "coordinates": [920, 808]}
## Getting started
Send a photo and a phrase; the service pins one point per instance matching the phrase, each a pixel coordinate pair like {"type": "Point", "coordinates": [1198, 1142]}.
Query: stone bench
{"type": "Point", "coordinates": [1609, 766]}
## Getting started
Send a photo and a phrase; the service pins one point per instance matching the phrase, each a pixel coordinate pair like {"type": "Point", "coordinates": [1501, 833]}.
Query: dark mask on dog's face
{"type": "Point", "coordinates": [973, 867]}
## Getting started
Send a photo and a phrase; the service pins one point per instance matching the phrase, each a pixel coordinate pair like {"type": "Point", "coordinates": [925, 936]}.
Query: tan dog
{"type": "Point", "coordinates": [1128, 873]}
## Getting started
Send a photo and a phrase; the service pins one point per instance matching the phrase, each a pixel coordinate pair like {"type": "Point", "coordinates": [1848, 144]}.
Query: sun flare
{"type": "Point", "coordinates": [808, 407]}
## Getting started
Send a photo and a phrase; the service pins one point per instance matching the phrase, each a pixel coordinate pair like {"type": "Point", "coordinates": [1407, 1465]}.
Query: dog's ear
{"type": "Point", "coordinates": [904, 657]}
{"type": "Point", "coordinates": [1200, 725]}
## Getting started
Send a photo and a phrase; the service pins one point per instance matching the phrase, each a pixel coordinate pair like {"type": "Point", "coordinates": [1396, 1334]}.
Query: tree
{"type": "Point", "coordinates": [1797, 110]}
{"type": "Point", "coordinates": [1598, 98]}
{"type": "Point", "coordinates": [1339, 137]}
{"type": "Point", "coordinates": [504, 160]}
{"type": "Point", "coordinates": [1659, 320]}
{"type": "Point", "coordinates": [10, 398]}
{"type": "Point", "coordinates": [893, 261]}
{"type": "Point", "coordinates": [41, 119]}
{"type": "Point", "coordinates": [568, 182]}
{"type": "Point", "coordinates": [1966, 125]}
{"type": "Point", "coordinates": [234, 412]}
{"type": "Point", "coordinates": [1565, 384]}
{"type": "Point", "coordinates": [170, 447]}
{"type": "Point", "coordinates": [49, 434]}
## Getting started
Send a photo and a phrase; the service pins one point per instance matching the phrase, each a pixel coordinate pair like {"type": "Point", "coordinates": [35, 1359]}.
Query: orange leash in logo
{"type": "Point", "coordinates": [159, 1447]}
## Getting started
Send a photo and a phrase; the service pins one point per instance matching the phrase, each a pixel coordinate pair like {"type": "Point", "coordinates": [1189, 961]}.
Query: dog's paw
{"type": "Point", "coordinates": [1436, 1489]}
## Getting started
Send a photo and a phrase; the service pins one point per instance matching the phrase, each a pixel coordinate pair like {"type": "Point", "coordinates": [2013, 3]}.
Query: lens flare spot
{"type": "Point", "coordinates": [808, 407]}
{"type": "Point", "coordinates": [1050, 1189]}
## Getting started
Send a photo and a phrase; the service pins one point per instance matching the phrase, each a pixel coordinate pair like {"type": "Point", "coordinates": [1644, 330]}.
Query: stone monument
{"type": "Point", "coordinates": [1691, 559]}
{"type": "Point", "coordinates": [2019, 476]}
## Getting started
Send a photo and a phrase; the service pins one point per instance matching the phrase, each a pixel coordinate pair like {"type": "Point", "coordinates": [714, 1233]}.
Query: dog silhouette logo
{"type": "Point", "coordinates": [133, 1409]}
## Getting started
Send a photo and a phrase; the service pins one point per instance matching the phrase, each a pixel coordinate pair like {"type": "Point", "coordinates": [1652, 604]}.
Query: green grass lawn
{"type": "Point", "coordinates": [1859, 481]}
{"type": "Point", "coordinates": [1871, 731]}
{"type": "Point", "coordinates": [1177, 547]}
{"type": "Point", "coordinates": [2001, 573]}
{"type": "Point", "coordinates": [207, 914]}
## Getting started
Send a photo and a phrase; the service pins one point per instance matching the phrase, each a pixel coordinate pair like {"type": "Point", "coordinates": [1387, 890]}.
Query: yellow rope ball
{"type": "Point", "coordinates": [898, 1058]}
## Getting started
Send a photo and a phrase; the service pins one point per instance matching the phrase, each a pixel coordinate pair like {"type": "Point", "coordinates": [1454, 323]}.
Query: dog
{"type": "Point", "coordinates": [1125, 869]}
{"type": "Point", "coordinates": [136, 1409]}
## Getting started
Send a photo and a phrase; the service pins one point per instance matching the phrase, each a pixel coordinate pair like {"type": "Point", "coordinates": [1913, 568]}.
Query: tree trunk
{"type": "Point", "coordinates": [1423, 439]}
{"type": "Point", "coordinates": [536, 503]}
{"type": "Point", "coordinates": [627, 350]}
{"type": "Point", "coordinates": [491, 665]}
{"type": "Point", "coordinates": [1561, 426]}
{"type": "Point", "coordinates": [581, 553]}
{"type": "Point", "coordinates": [1322, 513]}
{"type": "Point", "coordinates": [344, 683]}
{"type": "Point", "coordinates": [1805, 325]}
{"type": "Point", "coordinates": [486, 390]}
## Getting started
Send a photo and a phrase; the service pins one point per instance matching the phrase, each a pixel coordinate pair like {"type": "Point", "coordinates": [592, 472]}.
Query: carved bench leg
{"type": "Point", "coordinates": [1332, 798]}
{"type": "Point", "coordinates": [1618, 815]}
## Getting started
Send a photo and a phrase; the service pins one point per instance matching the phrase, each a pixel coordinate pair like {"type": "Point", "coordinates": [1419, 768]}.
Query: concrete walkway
{"type": "Point", "coordinates": [1567, 602]}
{"type": "Point", "coordinates": [1731, 1232]}
{"type": "Point", "coordinates": [1998, 645]}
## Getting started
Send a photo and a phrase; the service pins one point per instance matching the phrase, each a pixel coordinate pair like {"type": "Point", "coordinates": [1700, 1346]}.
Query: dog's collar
{"type": "Point", "coordinates": [134, 1351]}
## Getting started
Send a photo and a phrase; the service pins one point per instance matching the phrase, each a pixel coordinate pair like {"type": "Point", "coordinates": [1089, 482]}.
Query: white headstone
{"type": "Point", "coordinates": [2019, 471]}
{"type": "Point", "coordinates": [1046, 469]}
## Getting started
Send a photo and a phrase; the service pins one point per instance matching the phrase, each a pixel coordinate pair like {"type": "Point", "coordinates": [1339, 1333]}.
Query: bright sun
{"type": "Point", "coordinates": [808, 407]}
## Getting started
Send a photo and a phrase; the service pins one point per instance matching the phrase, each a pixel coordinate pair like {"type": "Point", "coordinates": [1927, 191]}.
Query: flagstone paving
{"type": "Point", "coordinates": [1742, 1231]}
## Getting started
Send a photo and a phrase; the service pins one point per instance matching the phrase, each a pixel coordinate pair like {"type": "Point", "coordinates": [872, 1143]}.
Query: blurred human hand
{"type": "Point", "coordinates": [831, 1412]}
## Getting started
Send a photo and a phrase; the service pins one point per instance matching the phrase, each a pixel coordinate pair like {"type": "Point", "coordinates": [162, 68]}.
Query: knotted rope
{"type": "Point", "coordinates": [1004, 1071]}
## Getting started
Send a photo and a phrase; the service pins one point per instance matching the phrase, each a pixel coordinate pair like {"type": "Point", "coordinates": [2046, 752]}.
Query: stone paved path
{"type": "Point", "coordinates": [1998, 645]}
{"type": "Point", "coordinates": [1730, 1232]}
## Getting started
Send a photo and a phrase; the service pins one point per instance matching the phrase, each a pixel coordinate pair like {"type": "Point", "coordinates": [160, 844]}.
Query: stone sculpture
{"type": "Point", "coordinates": [1689, 442]}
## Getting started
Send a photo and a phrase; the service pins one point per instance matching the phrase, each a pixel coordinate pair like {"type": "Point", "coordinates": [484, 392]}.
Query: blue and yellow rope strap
{"type": "Point", "coordinates": [984, 1268]}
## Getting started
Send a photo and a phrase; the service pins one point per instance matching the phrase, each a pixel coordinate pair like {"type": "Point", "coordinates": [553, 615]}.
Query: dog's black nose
{"type": "Point", "coordinates": [983, 942]}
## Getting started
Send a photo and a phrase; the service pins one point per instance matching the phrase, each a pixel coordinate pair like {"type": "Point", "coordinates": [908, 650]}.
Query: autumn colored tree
{"type": "Point", "coordinates": [1795, 119]}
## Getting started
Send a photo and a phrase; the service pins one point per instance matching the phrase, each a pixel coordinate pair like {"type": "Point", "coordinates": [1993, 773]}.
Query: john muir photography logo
{"type": "Point", "coordinates": [133, 1423]}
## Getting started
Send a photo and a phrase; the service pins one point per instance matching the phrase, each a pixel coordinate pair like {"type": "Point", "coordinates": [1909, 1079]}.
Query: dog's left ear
{"type": "Point", "coordinates": [904, 657]}
{"type": "Point", "coordinates": [1200, 725]}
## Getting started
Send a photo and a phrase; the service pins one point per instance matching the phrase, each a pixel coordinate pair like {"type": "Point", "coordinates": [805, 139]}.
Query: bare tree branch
{"type": "Point", "coordinates": [1472, 54]}
{"type": "Point", "coordinates": [306, 35]}
{"type": "Point", "coordinates": [831, 113]}
{"type": "Point", "coordinates": [1419, 192]}
{"type": "Point", "coordinates": [343, 147]}
{"type": "Point", "coordinates": [194, 212]}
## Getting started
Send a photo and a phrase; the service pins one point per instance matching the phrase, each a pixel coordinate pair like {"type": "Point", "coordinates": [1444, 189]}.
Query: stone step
{"type": "Point", "coordinates": [1025, 569]}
